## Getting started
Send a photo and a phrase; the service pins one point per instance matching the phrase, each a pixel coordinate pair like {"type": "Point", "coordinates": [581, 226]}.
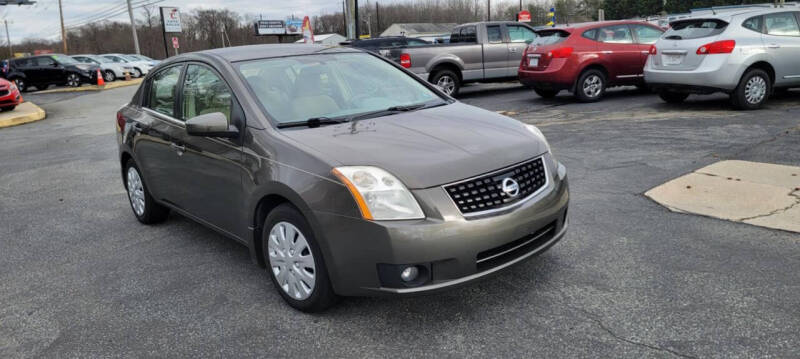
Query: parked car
{"type": "Point", "coordinates": [341, 172]}
{"type": "Point", "coordinates": [482, 51]}
{"type": "Point", "coordinates": [388, 42]}
{"type": "Point", "coordinates": [111, 70]}
{"type": "Point", "coordinates": [586, 59]}
{"type": "Point", "coordinates": [9, 96]}
{"type": "Point", "coordinates": [151, 61]}
{"type": "Point", "coordinates": [140, 68]}
{"type": "Point", "coordinates": [52, 69]}
{"type": "Point", "coordinates": [747, 54]}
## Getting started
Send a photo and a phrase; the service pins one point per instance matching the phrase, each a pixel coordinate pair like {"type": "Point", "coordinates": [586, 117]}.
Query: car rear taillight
{"type": "Point", "coordinates": [717, 47]}
{"type": "Point", "coordinates": [120, 121]}
{"type": "Point", "coordinates": [560, 53]}
{"type": "Point", "coordinates": [653, 50]}
{"type": "Point", "coordinates": [405, 60]}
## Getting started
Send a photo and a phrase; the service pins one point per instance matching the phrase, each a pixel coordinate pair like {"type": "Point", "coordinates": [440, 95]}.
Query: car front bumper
{"type": "Point", "coordinates": [446, 244]}
{"type": "Point", "coordinates": [12, 98]}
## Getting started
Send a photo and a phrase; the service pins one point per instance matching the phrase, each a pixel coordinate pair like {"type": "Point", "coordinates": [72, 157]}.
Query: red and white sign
{"type": "Point", "coordinates": [171, 19]}
{"type": "Point", "coordinates": [524, 16]}
{"type": "Point", "coordinates": [175, 43]}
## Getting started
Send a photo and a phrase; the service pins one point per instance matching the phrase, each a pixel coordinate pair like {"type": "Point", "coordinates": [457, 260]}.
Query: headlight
{"type": "Point", "coordinates": [535, 130]}
{"type": "Point", "coordinates": [379, 195]}
{"type": "Point", "coordinates": [12, 87]}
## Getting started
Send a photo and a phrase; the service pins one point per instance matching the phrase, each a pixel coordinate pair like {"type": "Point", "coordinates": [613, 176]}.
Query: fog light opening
{"type": "Point", "coordinates": [409, 274]}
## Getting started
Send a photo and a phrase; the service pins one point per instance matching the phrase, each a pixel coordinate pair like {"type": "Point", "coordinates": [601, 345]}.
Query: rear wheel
{"type": "Point", "coordinates": [137, 73]}
{"type": "Point", "coordinates": [144, 206]}
{"type": "Point", "coordinates": [109, 76]}
{"type": "Point", "coordinates": [672, 97]}
{"type": "Point", "coordinates": [447, 81]}
{"type": "Point", "coordinates": [73, 80]}
{"type": "Point", "coordinates": [22, 86]}
{"type": "Point", "coordinates": [753, 90]}
{"type": "Point", "coordinates": [546, 93]}
{"type": "Point", "coordinates": [294, 260]}
{"type": "Point", "coordinates": [591, 86]}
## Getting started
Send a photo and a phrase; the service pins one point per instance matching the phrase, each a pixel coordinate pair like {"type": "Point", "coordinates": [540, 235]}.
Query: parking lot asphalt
{"type": "Point", "coordinates": [80, 277]}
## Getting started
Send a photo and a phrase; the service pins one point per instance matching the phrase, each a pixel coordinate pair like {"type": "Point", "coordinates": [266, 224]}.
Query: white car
{"type": "Point", "coordinates": [140, 68]}
{"type": "Point", "coordinates": [152, 61]}
{"type": "Point", "coordinates": [111, 70]}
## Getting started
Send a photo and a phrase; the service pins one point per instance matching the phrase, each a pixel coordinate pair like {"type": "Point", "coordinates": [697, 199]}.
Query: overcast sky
{"type": "Point", "coordinates": [41, 20]}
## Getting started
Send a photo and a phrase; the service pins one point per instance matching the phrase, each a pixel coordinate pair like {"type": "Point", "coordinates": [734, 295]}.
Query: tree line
{"type": "Point", "coordinates": [213, 28]}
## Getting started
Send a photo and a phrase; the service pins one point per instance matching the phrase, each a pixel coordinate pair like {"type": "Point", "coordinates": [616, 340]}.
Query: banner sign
{"type": "Point", "coordinates": [294, 27]}
{"type": "Point", "coordinates": [172, 19]}
{"type": "Point", "coordinates": [270, 27]}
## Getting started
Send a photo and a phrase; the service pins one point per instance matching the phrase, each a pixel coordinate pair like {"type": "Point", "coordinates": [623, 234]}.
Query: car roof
{"type": "Point", "coordinates": [591, 24]}
{"type": "Point", "coordinates": [252, 52]}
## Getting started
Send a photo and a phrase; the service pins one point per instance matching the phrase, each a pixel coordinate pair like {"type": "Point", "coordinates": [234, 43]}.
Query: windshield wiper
{"type": "Point", "coordinates": [395, 109]}
{"type": "Point", "coordinates": [314, 122]}
{"type": "Point", "coordinates": [406, 108]}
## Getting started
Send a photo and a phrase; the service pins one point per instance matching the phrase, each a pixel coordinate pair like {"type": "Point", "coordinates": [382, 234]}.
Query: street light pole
{"type": "Point", "coordinates": [8, 38]}
{"type": "Point", "coordinates": [63, 31]}
{"type": "Point", "coordinates": [133, 29]}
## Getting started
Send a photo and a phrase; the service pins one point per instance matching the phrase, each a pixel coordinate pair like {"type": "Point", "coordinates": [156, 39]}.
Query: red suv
{"type": "Point", "coordinates": [588, 58]}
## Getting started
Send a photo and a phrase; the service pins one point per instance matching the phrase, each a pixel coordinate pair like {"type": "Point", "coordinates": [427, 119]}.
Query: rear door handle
{"type": "Point", "coordinates": [180, 149]}
{"type": "Point", "coordinates": [774, 46]}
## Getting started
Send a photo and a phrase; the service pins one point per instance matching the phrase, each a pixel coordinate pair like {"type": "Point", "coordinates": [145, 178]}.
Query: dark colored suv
{"type": "Point", "coordinates": [342, 172]}
{"type": "Point", "coordinates": [53, 69]}
{"type": "Point", "coordinates": [586, 59]}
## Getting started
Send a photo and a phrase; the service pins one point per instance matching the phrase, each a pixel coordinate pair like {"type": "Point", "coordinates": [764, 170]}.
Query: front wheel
{"type": "Point", "coordinates": [73, 80]}
{"type": "Point", "coordinates": [109, 76]}
{"type": "Point", "coordinates": [8, 108]}
{"type": "Point", "coordinates": [672, 97]}
{"type": "Point", "coordinates": [545, 93]}
{"type": "Point", "coordinates": [137, 73]}
{"type": "Point", "coordinates": [294, 260]}
{"type": "Point", "coordinates": [753, 90]}
{"type": "Point", "coordinates": [22, 86]}
{"type": "Point", "coordinates": [591, 86]}
{"type": "Point", "coordinates": [447, 81]}
{"type": "Point", "coordinates": [144, 206]}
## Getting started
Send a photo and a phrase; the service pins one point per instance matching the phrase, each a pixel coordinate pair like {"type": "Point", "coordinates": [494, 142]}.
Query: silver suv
{"type": "Point", "coordinates": [747, 53]}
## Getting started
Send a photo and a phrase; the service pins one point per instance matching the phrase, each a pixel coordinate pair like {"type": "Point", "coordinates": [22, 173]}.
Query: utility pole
{"type": "Point", "coordinates": [133, 29]}
{"type": "Point", "coordinates": [377, 17]}
{"type": "Point", "coordinates": [8, 38]}
{"type": "Point", "coordinates": [63, 31]}
{"type": "Point", "coordinates": [520, 5]}
{"type": "Point", "coordinates": [488, 10]}
{"type": "Point", "coordinates": [358, 31]}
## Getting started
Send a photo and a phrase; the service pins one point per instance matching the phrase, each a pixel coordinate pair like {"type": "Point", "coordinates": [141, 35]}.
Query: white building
{"type": "Point", "coordinates": [326, 39]}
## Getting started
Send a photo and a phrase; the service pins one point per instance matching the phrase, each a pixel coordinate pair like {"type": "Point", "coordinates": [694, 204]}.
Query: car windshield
{"type": "Point", "coordinates": [66, 60]}
{"type": "Point", "coordinates": [299, 88]}
{"type": "Point", "coordinates": [129, 58]}
{"type": "Point", "coordinates": [695, 29]}
{"type": "Point", "coordinates": [550, 37]}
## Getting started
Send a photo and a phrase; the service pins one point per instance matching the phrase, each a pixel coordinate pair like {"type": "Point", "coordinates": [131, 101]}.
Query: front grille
{"type": "Point", "coordinates": [502, 254]}
{"type": "Point", "coordinates": [485, 193]}
{"type": "Point", "coordinates": [3, 92]}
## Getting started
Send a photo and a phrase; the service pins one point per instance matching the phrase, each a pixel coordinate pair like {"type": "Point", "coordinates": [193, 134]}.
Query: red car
{"type": "Point", "coordinates": [9, 96]}
{"type": "Point", "coordinates": [588, 58]}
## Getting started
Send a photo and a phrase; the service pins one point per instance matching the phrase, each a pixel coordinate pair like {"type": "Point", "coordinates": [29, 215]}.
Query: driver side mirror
{"type": "Point", "coordinates": [213, 124]}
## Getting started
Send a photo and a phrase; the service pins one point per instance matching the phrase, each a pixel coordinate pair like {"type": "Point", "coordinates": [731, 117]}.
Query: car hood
{"type": "Point", "coordinates": [428, 147]}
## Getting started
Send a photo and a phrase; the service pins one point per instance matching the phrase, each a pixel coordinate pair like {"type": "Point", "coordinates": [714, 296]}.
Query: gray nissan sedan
{"type": "Point", "coordinates": [342, 172]}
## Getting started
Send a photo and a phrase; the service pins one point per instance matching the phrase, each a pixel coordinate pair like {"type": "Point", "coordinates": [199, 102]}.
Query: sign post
{"type": "Point", "coordinates": [175, 44]}
{"type": "Point", "coordinates": [170, 23]}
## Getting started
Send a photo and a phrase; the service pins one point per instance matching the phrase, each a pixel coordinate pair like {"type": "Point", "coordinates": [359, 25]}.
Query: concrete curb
{"type": "Point", "coordinates": [108, 86]}
{"type": "Point", "coordinates": [25, 112]}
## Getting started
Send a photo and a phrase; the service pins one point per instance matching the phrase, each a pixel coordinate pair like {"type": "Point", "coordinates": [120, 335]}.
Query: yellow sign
{"type": "Point", "coordinates": [363, 36]}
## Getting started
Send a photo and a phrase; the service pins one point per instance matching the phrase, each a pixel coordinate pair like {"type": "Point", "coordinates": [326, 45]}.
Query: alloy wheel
{"type": "Point", "coordinates": [73, 81]}
{"type": "Point", "coordinates": [109, 76]}
{"type": "Point", "coordinates": [291, 260]}
{"type": "Point", "coordinates": [136, 191]}
{"type": "Point", "coordinates": [20, 84]}
{"type": "Point", "coordinates": [755, 90]}
{"type": "Point", "coordinates": [592, 86]}
{"type": "Point", "coordinates": [137, 73]}
{"type": "Point", "coordinates": [447, 84]}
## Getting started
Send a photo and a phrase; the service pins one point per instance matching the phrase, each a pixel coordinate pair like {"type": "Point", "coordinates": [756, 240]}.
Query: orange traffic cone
{"type": "Point", "coordinates": [100, 81]}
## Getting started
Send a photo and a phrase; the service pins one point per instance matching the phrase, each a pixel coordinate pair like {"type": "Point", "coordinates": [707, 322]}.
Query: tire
{"type": "Point", "coordinates": [136, 73]}
{"type": "Point", "coordinates": [302, 287]}
{"type": "Point", "coordinates": [109, 76]}
{"type": "Point", "coordinates": [73, 80]}
{"type": "Point", "coordinates": [672, 97]}
{"type": "Point", "coordinates": [753, 90]}
{"type": "Point", "coordinates": [546, 93]}
{"type": "Point", "coordinates": [591, 86]}
{"type": "Point", "coordinates": [22, 85]}
{"type": "Point", "coordinates": [142, 203]}
{"type": "Point", "coordinates": [8, 108]}
{"type": "Point", "coordinates": [448, 81]}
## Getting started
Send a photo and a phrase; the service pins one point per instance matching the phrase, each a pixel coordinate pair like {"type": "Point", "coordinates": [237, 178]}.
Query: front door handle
{"type": "Point", "coordinates": [180, 149]}
{"type": "Point", "coordinates": [774, 46]}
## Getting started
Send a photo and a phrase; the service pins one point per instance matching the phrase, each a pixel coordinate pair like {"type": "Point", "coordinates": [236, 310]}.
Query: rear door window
{"type": "Point", "coordinates": [617, 34]}
{"type": "Point", "coordinates": [204, 92]}
{"type": "Point", "coordinates": [782, 24]}
{"type": "Point", "coordinates": [647, 34]}
{"type": "Point", "coordinates": [695, 29]}
{"type": "Point", "coordinates": [493, 34]}
{"type": "Point", "coordinates": [754, 23]}
{"type": "Point", "coordinates": [162, 90]}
